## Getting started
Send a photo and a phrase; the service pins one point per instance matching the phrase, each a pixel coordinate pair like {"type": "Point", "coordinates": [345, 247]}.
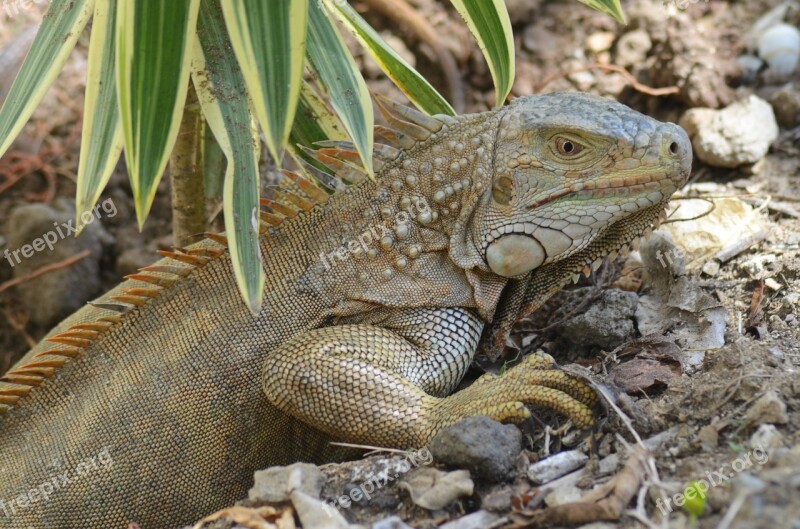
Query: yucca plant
{"type": "Point", "coordinates": [246, 60]}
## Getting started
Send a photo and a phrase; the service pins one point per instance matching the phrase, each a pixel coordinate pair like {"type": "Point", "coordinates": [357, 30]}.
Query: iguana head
{"type": "Point", "coordinates": [567, 168]}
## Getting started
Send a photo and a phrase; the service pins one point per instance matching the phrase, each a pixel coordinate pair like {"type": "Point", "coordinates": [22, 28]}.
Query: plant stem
{"type": "Point", "coordinates": [186, 175]}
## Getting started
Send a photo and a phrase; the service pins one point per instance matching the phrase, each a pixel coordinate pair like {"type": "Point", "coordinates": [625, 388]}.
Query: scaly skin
{"type": "Point", "coordinates": [161, 414]}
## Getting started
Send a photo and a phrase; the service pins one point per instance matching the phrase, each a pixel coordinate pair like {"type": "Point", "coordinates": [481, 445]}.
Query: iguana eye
{"type": "Point", "coordinates": [568, 148]}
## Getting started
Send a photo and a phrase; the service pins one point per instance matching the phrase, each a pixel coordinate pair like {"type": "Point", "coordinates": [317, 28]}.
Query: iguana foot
{"type": "Point", "coordinates": [504, 397]}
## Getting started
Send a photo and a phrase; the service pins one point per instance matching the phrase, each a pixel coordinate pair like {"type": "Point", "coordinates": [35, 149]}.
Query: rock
{"type": "Point", "coordinates": [521, 11]}
{"type": "Point", "coordinates": [41, 235]}
{"type": "Point", "coordinates": [317, 514]}
{"type": "Point", "coordinates": [779, 46]}
{"type": "Point", "coordinates": [562, 495]}
{"type": "Point", "coordinates": [488, 449]}
{"type": "Point", "coordinates": [555, 466]}
{"type": "Point", "coordinates": [632, 48]}
{"type": "Point", "coordinates": [740, 133]}
{"type": "Point", "coordinates": [600, 41]}
{"type": "Point", "coordinates": [786, 104]}
{"type": "Point", "coordinates": [433, 489]}
{"type": "Point", "coordinates": [476, 520]}
{"type": "Point", "coordinates": [133, 259]}
{"type": "Point", "coordinates": [393, 522]}
{"type": "Point", "coordinates": [607, 324]}
{"type": "Point", "coordinates": [767, 438]}
{"type": "Point", "coordinates": [768, 409]}
{"type": "Point", "coordinates": [276, 483]}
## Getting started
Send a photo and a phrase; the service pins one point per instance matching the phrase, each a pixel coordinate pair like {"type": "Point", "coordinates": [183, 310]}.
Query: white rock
{"type": "Point", "coordinates": [780, 47]}
{"type": "Point", "coordinates": [553, 467]}
{"type": "Point", "coordinates": [738, 134]}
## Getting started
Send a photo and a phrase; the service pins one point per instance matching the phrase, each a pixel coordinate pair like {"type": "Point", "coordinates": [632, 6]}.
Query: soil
{"type": "Point", "coordinates": [733, 408]}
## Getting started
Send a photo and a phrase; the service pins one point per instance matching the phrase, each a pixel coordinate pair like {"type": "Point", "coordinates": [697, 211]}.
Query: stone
{"type": "Point", "coordinates": [40, 235]}
{"type": "Point", "coordinates": [276, 484]}
{"type": "Point", "coordinates": [786, 105]}
{"type": "Point", "coordinates": [768, 409]}
{"type": "Point", "coordinates": [740, 133]}
{"type": "Point", "coordinates": [487, 448]}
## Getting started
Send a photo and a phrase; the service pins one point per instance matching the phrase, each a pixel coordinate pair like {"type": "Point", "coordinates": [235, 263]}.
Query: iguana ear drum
{"type": "Point", "coordinates": [514, 255]}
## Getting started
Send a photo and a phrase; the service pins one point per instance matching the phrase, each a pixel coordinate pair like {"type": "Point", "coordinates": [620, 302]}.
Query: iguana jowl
{"type": "Point", "coordinates": [175, 382]}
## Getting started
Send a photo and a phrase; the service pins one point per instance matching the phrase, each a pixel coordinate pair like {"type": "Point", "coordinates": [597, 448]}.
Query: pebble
{"type": "Point", "coordinates": [553, 467]}
{"type": "Point", "coordinates": [276, 483]}
{"type": "Point", "coordinates": [767, 437]}
{"type": "Point", "coordinates": [463, 445]}
{"type": "Point", "coordinates": [562, 495]}
{"type": "Point", "coordinates": [786, 104]}
{"type": "Point", "coordinates": [740, 133]}
{"type": "Point", "coordinates": [768, 409]}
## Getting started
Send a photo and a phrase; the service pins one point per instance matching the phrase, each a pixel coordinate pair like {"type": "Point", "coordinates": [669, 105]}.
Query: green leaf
{"type": "Point", "coordinates": [153, 44]}
{"type": "Point", "coordinates": [418, 90]}
{"type": "Point", "coordinates": [60, 29]}
{"type": "Point", "coordinates": [338, 72]}
{"type": "Point", "coordinates": [609, 7]}
{"type": "Point", "coordinates": [269, 41]}
{"type": "Point", "coordinates": [101, 137]}
{"type": "Point", "coordinates": [223, 97]}
{"type": "Point", "coordinates": [489, 22]}
{"type": "Point", "coordinates": [314, 122]}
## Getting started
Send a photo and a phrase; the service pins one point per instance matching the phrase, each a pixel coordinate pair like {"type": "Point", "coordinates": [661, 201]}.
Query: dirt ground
{"type": "Point", "coordinates": [700, 351]}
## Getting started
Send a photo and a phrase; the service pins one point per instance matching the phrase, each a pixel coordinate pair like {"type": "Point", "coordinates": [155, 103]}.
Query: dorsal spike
{"type": "Point", "coordinates": [17, 391]}
{"type": "Point", "coordinates": [111, 306]}
{"type": "Point", "coordinates": [288, 197]}
{"type": "Point", "coordinates": [271, 218]}
{"type": "Point", "coordinates": [307, 186]}
{"type": "Point", "coordinates": [408, 114]}
{"type": "Point", "coordinates": [386, 153]}
{"type": "Point", "coordinates": [69, 353]}
{"type": "Point", "coordinates": [398, 123]}
{"type": "Point", "coordinates": [111, 318]}
{"type": "Point", "coordinates": [185, 258]}
{"type": "Point", "coordinates": [80, 333]}
{"type": "Point", "coordinates": [24, 380]}
{"type": "Point", "coordinates": [394, 137]}
{"type": "Point", "coordinates": [217, 238]}
{"type": "Point", "coordinates": [213, 253]}
{"type": "Point", "coordinates": [328, 181]}
{"type": "Point", "coordinates": [287, 211]}
{"type": "Point", "coordinates": [181, 271]}
{"type": "Point", "coordinates": [69, 340]}
{"type": "Point", "coordinates": [34, 370]}
{"type": "Point", "coordinates": [142, 292]}
{"type": "Point", "coordinates": [163, 282]}
{"type": "Point", "coordinates": [98, 326]}
{"type": "Point", "coordinates": [131, 300]}
{"type": "Point", "coordinates": [343, 169]}
{"type": "Point", "coordinates": [51, 362]}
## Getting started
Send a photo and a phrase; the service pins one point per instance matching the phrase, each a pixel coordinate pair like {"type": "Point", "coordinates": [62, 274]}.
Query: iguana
{"type": "Point", "coordinates": [155, 403]}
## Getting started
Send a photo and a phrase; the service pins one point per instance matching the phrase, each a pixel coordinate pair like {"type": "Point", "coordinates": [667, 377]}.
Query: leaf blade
{"type": "Point", "coordinates": [418, 90]}
{"type": "Point", "coordinates": [338, 72]}
{"type": "Point", "coordinates": [101, 137]}
{"type": "Point", "coordinates": [223, 97]}
{"type": "Point", "coordinates": [268, 39]}
{"type": "Point", "coordinates": [490, 24]}
{"type": "Point", "coordinates": [609, 7]}
{"type": "Point", "coordinates": [60, 29]}
{"type": "Point", "coordinates": [153, 42]}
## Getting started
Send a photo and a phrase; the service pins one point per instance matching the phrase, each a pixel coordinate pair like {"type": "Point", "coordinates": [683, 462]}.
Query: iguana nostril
{"type": "Point", "coordinates": [673, 148]}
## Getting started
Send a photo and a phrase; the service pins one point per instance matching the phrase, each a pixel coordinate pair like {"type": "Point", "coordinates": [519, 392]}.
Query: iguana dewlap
{"type": "Point", "coordinates": [156, 403]}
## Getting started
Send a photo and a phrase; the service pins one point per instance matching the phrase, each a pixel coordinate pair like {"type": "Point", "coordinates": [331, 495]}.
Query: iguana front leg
{"type": "Point", "coordinates": [386, 385]}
